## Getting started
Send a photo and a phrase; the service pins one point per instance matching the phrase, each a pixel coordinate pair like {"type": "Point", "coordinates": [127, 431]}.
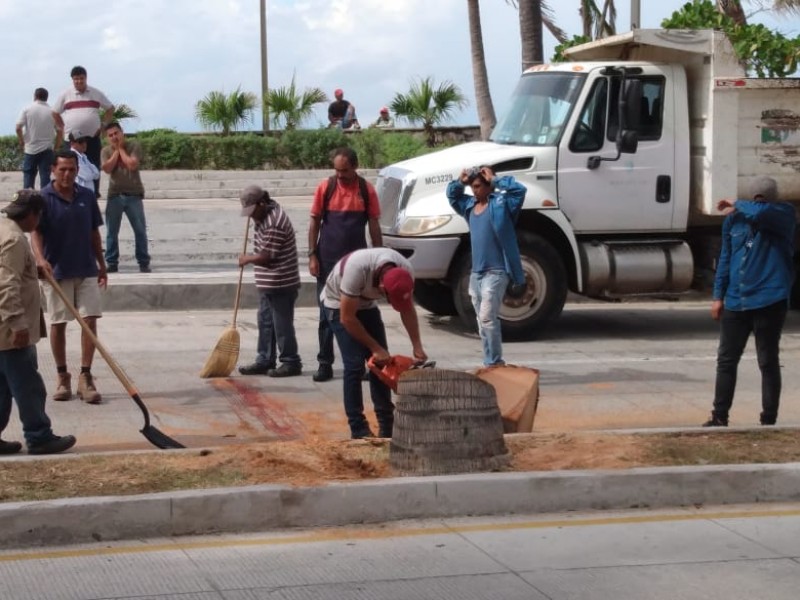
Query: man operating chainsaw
{"type": "Point", "coordinates": [349, 298]}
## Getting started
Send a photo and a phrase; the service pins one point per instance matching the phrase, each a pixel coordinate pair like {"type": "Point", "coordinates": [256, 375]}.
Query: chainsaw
{"type": "Point", "coordinates": [389, 372]}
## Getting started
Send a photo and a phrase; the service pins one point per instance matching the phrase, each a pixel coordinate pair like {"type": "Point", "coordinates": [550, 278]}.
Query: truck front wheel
{"type": "Point", "coordinates": [540, 305]}
{"type": "Point", "coordinates": [435, 297]}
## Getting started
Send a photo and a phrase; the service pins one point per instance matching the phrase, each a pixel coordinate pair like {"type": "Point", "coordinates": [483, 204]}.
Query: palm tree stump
{"type": "Point", "coordinates": [446, 422]}
{"type": "Point", "coordinates": [517, 390]}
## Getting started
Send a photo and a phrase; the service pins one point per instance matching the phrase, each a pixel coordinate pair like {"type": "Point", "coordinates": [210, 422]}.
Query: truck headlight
{"type": "Point", "coordinates": [420, 225]}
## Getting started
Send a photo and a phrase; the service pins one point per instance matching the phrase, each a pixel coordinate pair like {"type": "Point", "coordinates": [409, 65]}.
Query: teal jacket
{"type": "Point", "coordinates": [505, 203]}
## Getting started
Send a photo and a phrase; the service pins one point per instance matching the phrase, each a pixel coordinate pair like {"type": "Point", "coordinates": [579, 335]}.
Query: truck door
{"type": "Point", "coordinates": [634, 193]}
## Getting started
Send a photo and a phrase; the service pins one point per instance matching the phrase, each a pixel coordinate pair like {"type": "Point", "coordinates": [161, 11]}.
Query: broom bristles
{"type": "Point", "coordinates": [222, 359]}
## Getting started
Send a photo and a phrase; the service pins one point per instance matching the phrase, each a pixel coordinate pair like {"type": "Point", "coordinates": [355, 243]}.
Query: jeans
{"type": "Point", "coordinates": [766, 324]}
{"type": "Point", "coordinates": [276, 327]}
{"type": "Point", "coordinates": [486, 291]}
{"type": "Point", "coordinates": [324, 331]}
{"type": "Point", "coordinates": [33, 163]}
{"type": "Point", "coordinates": [354, 354]}
{"type": "Point", "coordinates": [133, 208]}
{"type": "Point", "coordinates": [20, 379]}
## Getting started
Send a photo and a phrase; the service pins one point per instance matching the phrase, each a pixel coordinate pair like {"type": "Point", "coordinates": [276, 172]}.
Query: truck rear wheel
{"type": "Point", "coordinates": [435, 297]}
{"type": "Point", "coordinates": [540, 305]}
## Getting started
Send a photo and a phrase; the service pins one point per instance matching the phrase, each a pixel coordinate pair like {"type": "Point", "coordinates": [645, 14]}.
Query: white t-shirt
{"type": "Point", "coordinates": [38, 127]}
{"type": "Point", "coordinates": [81, 111]}
{"type": "Point", "coordinates": [359, 278]}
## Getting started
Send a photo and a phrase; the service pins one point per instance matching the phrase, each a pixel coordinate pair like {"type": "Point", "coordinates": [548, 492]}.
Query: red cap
{"type": "Point", "coordinates": [338, 92]}
{"type": "Point", "coordinates": [384, 110]}
{"type": "Point", "coordinates": [399, 286]}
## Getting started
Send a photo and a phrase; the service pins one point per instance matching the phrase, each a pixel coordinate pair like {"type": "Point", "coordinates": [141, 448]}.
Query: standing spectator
{"type": "Point", "coordinates": [341, 113]}
{"type": "Point", "coordinates": [36, 129]}
{"type": "Point", "coordinates": [343, 206]}
{"type": "Point", "coordinates": [121, 160]}
{"type": "Point", "coordinates": [384, 120]}
{"type": "Point", "coordinates": [87, 172]}
{"type": "Point", "coordinates": [349, 297]}
{"type": "Point", "coordinates": [80, 108]}
{"type": "Point", "coordinates": [491, 213]}
{"type": "Point", "coordinates": [67, 244]}
{"type": "Point", "coordinates": [277, 278]}
{"type": "Point", "coordinates": [751, 292]}
{"type": "Point", "coordinates": [20, 329]}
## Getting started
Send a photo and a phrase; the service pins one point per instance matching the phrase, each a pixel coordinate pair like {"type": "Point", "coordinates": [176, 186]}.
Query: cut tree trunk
{"type": "Point", "coordinates": [446, 422]}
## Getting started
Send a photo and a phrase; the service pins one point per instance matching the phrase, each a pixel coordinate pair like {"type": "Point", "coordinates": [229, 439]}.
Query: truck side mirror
{"type": "Point", "coordinates": [628, 141]}
{"type": "Point", "coordinates": [630, 112]}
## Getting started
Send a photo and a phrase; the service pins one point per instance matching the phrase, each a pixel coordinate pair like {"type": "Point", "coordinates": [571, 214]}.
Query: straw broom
{"type": "Point", "coordinates": [223, 357]}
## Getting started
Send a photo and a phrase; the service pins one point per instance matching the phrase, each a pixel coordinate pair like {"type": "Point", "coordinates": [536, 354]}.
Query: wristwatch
{"type": "Point", "coordinates": [312, 252]}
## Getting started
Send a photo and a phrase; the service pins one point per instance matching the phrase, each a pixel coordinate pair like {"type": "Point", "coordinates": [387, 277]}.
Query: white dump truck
{"type": "Point", "coordinates": [625, 151]}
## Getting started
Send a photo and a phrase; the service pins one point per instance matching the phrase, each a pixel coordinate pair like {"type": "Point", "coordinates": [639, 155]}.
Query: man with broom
{"type": "Point", "coordinates": [349, 298]}
{"type": "Point", "coordinates": [277, 277]}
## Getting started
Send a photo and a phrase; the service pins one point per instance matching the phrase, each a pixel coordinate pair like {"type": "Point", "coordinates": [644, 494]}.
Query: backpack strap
{"type": "Point", "coordinates": [326, 199]}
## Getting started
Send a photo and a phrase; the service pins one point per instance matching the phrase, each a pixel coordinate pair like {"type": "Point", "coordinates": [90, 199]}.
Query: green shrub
{"type": "Point", "coordinates": [400, 146]}
{"type": "Point", "coordinates": [166, 149]}
{"type": "Point", "coordinates": [11, 155]}
{"type": "Point", "coordinates": [309, 149]}
{"type": "Point", "coordinates": [368, 144]}
{"type": "Point", "coordinates": [234, 152]}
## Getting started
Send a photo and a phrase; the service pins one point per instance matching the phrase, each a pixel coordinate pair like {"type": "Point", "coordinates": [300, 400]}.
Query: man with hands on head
{"type": "Point", "coordinates": [349, 298]}
{"type": "Point", "coordinates": [752, 286]}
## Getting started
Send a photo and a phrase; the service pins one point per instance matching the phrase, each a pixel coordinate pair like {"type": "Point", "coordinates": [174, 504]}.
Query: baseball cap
{"type": "Point", "coordinates": [384, 110]}
{"type": "Point", "coordinates": [338, 92]}
{"type": "Point", "coordinates": [766, 187]}
{"type": "Point", "coordinates": [77, 136]}
{"type": "Point", "coordinates": [399, 286]}
{"type": "Point", "coordinates": [250, 197]}
{"type": "Point", "coordinates": [22, 201]}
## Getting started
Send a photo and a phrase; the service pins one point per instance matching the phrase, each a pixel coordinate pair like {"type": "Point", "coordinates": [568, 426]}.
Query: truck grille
{"type": "Point", "coordinates": [389, 190]}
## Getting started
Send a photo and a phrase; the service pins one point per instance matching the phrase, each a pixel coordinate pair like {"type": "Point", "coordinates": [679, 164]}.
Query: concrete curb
{"type": "Point", "coordinates": [228, 510]}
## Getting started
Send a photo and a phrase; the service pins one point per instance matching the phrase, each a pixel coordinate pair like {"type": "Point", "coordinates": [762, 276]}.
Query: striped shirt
{"type": "Point", "coordinates": [274, 237]}
{"type": "Point", "coordinates": [81, 110]}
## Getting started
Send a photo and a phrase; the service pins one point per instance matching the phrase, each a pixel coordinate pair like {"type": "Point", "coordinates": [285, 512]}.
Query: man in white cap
{"type": "Point", "coordinates": [277, 277]}
{"type": "Point", "coordinates": [751, 293]}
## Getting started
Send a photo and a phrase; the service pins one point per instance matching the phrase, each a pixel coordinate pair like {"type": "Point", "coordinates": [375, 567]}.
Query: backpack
{"type": "Point", "coordinates": [326, 199]}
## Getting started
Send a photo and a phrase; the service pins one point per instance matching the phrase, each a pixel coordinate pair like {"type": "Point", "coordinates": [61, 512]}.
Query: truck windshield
{"type": "Point", "coordinates": [539, 109]}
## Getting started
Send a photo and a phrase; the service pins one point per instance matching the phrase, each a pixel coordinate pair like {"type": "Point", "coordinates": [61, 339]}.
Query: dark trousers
{"type": "Point", "coordinates": [324, 332]}
{"type": "Point", "coordinates": [20, 380]}
{"type": "Point", "coordinates": [766, 324]}
{"type": "Point", "coordinates": [276, 327]}
{"type": "Point", "coordinates": [93, 149]}
{"type": "Point", "coordinates": [354, 355]}
{"type": "Point", "coordinates": [37, 163]}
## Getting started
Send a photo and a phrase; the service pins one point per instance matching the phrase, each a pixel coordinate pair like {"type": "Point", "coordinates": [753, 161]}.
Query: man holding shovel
{"type": "Point", "coordinates": [349, 298]}
{"type": "Point", "coordinates": [20, 328]}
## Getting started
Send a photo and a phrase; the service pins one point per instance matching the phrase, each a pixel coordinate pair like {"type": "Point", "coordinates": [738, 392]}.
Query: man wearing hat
{"type": "Point", "coordinates": [751, 292]}
{"type": "Point", "coordinates": [341, 113]}
{"type": "Point", "coordinates": [384, 120]}
{"type": "Point", "coordinates": [277, 277]}
{"type": "Point", "coordinates": [350, 297]}
{"type": "Point", "coordinates": [21, 326]}
{"type": "Point", "coordinates": [87, 172]}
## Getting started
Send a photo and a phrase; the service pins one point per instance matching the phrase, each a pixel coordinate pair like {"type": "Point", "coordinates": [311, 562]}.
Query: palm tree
{"type": "Point", "coordinates": [123, 111]}
{"type": "Point", "coordinates": [218, 111]}
{"type": "Point", "coordinates": [534, 16]}
{"type": "Point", "coordinates": [428, 105]}
{"type": "Point", "coordinates": [598, 23]}
{"type": "Point", "coordinates": [480, 77]}
{"type": "Point", "coordinates": [287, 104]}
{"type": "Point", "coordinates": [734, 10]}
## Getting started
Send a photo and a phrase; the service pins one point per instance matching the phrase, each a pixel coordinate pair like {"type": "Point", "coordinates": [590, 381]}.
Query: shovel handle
{"type": "Point", "coordinates": [241, 272]}
{"type": "Point", "coordinates": [121, 375]}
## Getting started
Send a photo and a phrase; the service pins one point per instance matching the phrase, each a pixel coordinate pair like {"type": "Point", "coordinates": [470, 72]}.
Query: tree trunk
{"type": "Point", "coordinates": [733, 9]}
{"type": "Point", "coordinates": [530, 29]}
{"type": "Point", "coordinates": [446, 422]}
{"type": "Point", "coordinates": [483, 98]}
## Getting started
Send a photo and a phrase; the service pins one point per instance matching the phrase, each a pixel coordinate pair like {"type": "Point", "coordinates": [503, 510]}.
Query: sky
{"type": "Point", "coordinates": [161, 56]}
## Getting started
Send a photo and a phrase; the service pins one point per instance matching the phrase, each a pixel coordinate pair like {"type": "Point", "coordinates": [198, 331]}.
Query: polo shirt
{"type": "Point", "coordinates": [39, 127]}
{"type": "Point", "coordinates": [358, 277]}
{"type": "Point", "coordinates": [81, 111]}
{"type": "Point", "coordinates": [67, 228]}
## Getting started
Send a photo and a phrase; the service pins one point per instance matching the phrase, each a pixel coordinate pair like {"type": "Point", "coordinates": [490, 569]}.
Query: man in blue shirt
{"type": "Point", "coordinates": [491, 212]}
{"type": "Point", "coordinates": [751, 291]}
{"type": "Point", "coordinates": [67, 243]}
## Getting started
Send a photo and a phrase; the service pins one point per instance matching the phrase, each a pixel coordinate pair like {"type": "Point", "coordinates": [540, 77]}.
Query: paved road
{"type": "Point", "coordinates": [707, 553]}
{"type": "Point", "coordinates": [645, 365]}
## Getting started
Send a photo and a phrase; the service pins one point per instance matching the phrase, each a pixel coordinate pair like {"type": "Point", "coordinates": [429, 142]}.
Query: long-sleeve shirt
{"type": "Point", "coordinates": [19, 286]}
{"type": "Point", "coordinates": [755, 267]}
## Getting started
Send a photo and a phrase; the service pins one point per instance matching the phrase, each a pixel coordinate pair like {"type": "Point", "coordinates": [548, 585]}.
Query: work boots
{"type": "Point", "coordinates": [63, 388]}
{"type": "Point", "coordinates": [86, 390]}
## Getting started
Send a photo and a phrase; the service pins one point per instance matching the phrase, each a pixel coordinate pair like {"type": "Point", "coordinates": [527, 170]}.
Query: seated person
{"type": "Point", "coordinates": [341, 113]}
{"type": "Point", "coordinates": [384, 120]}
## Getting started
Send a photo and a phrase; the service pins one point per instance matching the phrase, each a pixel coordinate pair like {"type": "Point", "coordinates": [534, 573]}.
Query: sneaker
{"type": "Point", "coordinates": [323, 373]}
{"type": "Point", "coordinates": [112, 269]}
{"type": "Point", "coordinates": [362, 434]}
{"type": "Point", "coordinates": [63, 388]}
{"type": "Point", "coordinates": [715, 421]}
{"type": "Point", "coordinates": [145, 269]}
{"type": "Point", "coordinates": [255, 369]}
{"type": "Point", "coordinates": [9, 447]}
{"type": "Point", "coordinates": [286, 370]}
{"type": "Point", "coordinates": [59, 443]}
{"type": "Point", "coordinates": [86, 390]}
